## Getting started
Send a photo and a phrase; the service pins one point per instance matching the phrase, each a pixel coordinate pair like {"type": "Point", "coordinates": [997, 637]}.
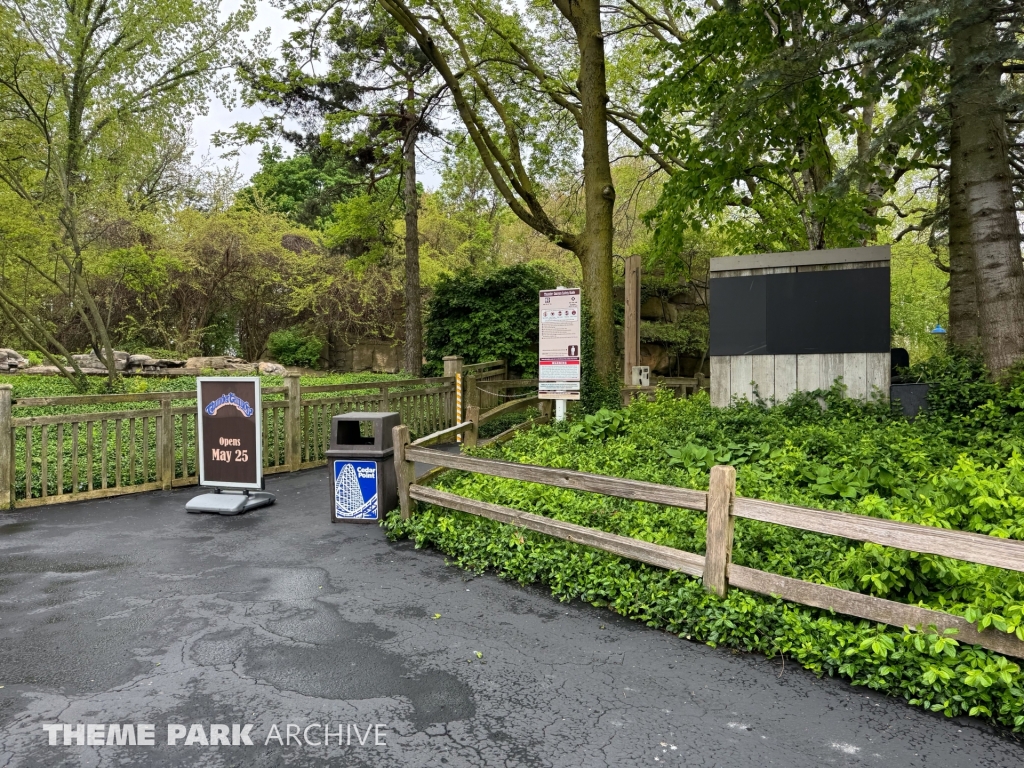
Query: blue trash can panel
{"type": "Point", "coordinates": [356, 493]}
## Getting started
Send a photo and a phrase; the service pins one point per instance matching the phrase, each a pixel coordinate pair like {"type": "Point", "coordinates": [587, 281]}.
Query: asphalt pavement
{"type": "Point", "coordinates": [265, 627]}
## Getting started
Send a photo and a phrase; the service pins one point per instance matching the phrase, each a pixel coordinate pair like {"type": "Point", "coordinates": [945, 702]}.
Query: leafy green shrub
{"type": "Point", "coordinates": [601, 425]}
{"type": "Point", "coordinates": [293, 347]}
{"type": "Point", "coordinates": [960, 466]}
{"type": "Point", "coordinates": [490, 316]}
{"type": "Point", "coordinates": [33, 357]}
{"type": "Point", "coordinates": [689, 336]}
{"type": "Point", "coordinates": [159, 353]}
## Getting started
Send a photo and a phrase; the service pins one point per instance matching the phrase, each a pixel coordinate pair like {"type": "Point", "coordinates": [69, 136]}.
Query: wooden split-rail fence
{"type": "Point", "coordinates": [722, 506]}
{"type": "Point", "coordinates": [57, 449]}
{"type": "Point", "coordinates": [483, 376]}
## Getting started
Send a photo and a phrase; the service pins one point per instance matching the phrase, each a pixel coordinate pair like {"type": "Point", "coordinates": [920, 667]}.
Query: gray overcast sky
{"type": "Point", "coordinates": [220, 118]}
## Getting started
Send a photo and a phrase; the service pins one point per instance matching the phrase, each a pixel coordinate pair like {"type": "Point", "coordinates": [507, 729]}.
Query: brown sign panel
{"type": "Point", "coordinates": [230, 448]}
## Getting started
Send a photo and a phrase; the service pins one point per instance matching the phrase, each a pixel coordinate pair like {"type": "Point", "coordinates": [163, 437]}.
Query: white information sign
{"type": "Point", "coordinates": [560, 316]}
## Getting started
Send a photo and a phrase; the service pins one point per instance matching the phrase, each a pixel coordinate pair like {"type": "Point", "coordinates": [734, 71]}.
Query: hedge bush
{"type": "Point", "coordinates": [488, 316]}
{"type": "Point", "coordinates": [295, 347]}
{"type": "Point", "coordinates": [961, 466]}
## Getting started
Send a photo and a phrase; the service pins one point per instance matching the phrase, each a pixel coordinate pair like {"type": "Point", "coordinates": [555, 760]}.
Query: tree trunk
{"type": "Point", "coordinates": [413, 314]}
{"type": "Point", "coordinates": [976, 88]}
{"type": "Point", "coordinates": [963, 299]}
{"type": "Point", "coordinates": [873, 189]}
{"type": "Point", "coordinates": [595, 248]}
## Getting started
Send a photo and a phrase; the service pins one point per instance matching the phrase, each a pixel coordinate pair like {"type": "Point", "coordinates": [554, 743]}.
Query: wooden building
{"type": "Point", "coordinates": [786, 322]}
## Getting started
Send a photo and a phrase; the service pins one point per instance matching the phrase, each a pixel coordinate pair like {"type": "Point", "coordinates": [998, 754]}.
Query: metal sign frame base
{"type": "Point", "coordinates": [229, 502]}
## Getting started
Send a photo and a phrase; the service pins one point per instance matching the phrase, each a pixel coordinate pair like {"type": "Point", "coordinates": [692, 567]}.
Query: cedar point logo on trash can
{"type": "Point", "coordinates": [355, 490]}
{"type": "Point", "coordinates": [229, 399]}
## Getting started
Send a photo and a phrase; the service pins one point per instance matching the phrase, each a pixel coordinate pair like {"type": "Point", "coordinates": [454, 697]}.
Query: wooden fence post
{"type": "Point", "coordinates": [293, 422]}
{"type": "Point", "coordinates": [405, 471]}
{"type": "Point", "coordinates": [6, 449]}
{"type": "Point", "coordinates": [452, 364]}
{"type": "Point", "coordinates": [453, 369]}
{"type": "Point", "coordinates": [546, 407]}
{"type": "Point", "coordinates": [472, 434]}
{"type": "Point", "coordinates": [721, 492]}
{"type": "Point", "coordinates": [166, 440]}
{"type": "Point", "coordinates": [631, 319]}
{"type": "Point", "coordinates": [471, 397]}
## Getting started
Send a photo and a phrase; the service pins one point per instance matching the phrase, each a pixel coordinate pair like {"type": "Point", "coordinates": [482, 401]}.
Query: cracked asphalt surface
{"type": "Point", "coordinates": [129, 610]}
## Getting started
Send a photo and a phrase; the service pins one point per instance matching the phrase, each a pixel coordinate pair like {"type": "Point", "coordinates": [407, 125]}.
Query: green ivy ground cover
{"type": "Point", "coordinates": [960, 467]}
{"type": "Point", "coordinates": [31, 385]}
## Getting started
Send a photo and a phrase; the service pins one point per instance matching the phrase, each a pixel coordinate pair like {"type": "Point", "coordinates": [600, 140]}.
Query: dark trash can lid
{"type": "Point", "coordinates": [363, 433]}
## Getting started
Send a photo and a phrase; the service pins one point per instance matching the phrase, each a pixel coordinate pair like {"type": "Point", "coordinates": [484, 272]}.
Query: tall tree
{"type": "Point", "coordinates": [789, 121]}
{"type": "Point", "coordinates": [982, 42]}
{"type": "Point", "coordinates": [370, 104]}
{"type": "Point", "coordinates": [85, 85]}
{"type": "Point", "coordinates": [963, 293]}
{"type": "Point", "coordinates": [491, 61]}
{"type": "Point", "coordinates": [304, 187]}
{"type": "Point", "coordinates": [976, 44]}
{"type": "Point", "coordinates": [766, 99]}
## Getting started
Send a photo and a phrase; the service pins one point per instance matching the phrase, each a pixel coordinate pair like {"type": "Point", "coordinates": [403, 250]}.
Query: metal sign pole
{"type": "Point", "coordinates": [560, 410]}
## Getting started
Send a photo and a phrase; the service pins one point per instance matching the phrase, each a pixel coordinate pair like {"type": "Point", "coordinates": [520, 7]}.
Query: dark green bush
{"type": "Point", "coordinates": [490, 316]}
{"type": "Point", "coordinates": [960, 466]}
{"type": "Point", "coordinates": [294, 347]}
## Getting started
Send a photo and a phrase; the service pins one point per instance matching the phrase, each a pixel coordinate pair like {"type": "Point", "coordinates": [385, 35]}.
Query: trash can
{"type": "Point", "coordinates": [361, 459]}
{"type": "Point", "coordinates": [909, 399]}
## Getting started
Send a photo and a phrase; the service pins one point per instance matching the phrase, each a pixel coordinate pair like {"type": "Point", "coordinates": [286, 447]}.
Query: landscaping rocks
{"type": "Point", "coordinates": [91, 361]}
{"type": "Point", "coordinates": [271, 369]}
{"type": "Point", "coordinates": [147, 364]}
{"type": "Point", "coordinates": [11, 361]}
{"type": "Point", "coordinates": [218, 363]}
{"type": "Point", "coordinates": [657, 357]}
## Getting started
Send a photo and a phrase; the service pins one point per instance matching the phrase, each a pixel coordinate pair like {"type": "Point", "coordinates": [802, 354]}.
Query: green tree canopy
{"type": "Point", "coordinates": [304, 187]}
{"type": "Point", "coordinates": [791, 122]}
{"type": "Point", "coordinates": [87, 88]}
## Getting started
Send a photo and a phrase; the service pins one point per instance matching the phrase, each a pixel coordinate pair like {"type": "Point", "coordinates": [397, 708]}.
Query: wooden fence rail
{"type": "Point", "coordinates": [491, 398]}
{"type": "Point", "coordinates": [148, 441]}
{"type": "Point", "coordinates": [722, 507]}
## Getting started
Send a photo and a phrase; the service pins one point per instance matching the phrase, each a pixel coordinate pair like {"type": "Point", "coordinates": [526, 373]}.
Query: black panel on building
{"type": "Point", "coordinates": [738, 314]}
{"type": "Point", "coordinates": [804, 313]}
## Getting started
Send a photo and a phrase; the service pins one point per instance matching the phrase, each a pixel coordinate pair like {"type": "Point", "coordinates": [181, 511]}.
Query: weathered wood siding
{"type": "Point", "coordinates": [775, 377]}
